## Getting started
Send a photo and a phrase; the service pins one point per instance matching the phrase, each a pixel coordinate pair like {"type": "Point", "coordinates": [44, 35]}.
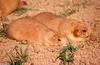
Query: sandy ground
{"type": "Point", "coordinates": [41, 55]}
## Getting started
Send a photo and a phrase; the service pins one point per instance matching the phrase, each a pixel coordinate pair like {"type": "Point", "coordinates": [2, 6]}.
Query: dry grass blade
{"type": "Point", "coordinates": [4, 19]}
{"type": "Point", "coordinates": [3, 30]}
{"type": "Point", "coordinates": [67, 54]}
{"type": "Point", "coordinates": [74, 8]}
{"type": "Point", "coordinates": [70, 11]}
{"type": "Point", "coordinates": [20, 58]}
{"type": "Point", "coordinates": [21, 11]}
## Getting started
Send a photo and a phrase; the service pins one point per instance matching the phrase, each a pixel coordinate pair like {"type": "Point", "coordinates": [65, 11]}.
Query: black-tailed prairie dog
{"type": "Point", "coordinates": [73, 29]}
{"type": "Point", "coordinates": [8, 6]}
{"type": "Point", "coordinates": [55, 31]}
{"type": "Point", "coordinates": [33, 31]}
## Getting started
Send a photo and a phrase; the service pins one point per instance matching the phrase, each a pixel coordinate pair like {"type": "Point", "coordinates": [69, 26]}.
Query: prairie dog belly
{"type": "Point", "coordinates": [33, 31]}
{"type": "Point", "coordinates": [8, 6]}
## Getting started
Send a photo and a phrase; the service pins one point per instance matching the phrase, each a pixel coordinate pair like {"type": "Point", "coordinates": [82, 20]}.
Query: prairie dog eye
{"type": "Point", "coordinates": [84, 30]}
{"type": "Point", "coordinates": [59, 39]}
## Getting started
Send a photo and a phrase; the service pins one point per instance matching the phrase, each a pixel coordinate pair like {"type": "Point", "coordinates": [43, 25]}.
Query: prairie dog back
{"type": "Point", "coordinates": [48, 19]}
{"type": "Point", "coordinates": [45, 17]}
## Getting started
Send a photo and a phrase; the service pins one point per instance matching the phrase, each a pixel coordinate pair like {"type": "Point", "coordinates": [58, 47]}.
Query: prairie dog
{"type": "Point", "coordinates": [7, 6]}
{"type": "Point", "coordinates": [73, 29]}
{"type": "Point", "coordinates": [33, 31]}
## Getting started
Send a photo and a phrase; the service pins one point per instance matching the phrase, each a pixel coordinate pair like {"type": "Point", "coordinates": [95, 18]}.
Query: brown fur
{"type": "Point", "coordinates": [70, 27]}
{"type": "Point", "coordinates": [46, 18]}
{"type": "Point", "coordinates": [49, 29]}
{"type": "Point", "coordinates": [75, 30]}
{"type": "Point", "coordinates": [7, 6]}
{"type": "Point", "coordinates": [33, 31]}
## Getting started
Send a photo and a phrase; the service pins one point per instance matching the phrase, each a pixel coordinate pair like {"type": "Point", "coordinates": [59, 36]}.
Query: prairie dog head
{"type": "Point", "coordinates": [57, 39]}
{"type": "Point", "coordinates": [75, 30]}
{"type": "Point", "coordinates": [79, 32]}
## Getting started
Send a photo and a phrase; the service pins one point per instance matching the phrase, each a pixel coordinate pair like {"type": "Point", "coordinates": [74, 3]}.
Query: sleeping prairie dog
{"type": "Point", "coordinates": [73, 29]}
{"type": "Point", "coordinates": [8, 6]}
{"type": "Point", "coordinates": [33, 31]}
